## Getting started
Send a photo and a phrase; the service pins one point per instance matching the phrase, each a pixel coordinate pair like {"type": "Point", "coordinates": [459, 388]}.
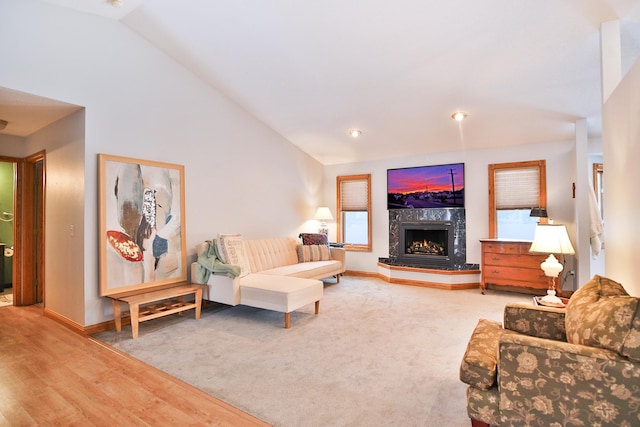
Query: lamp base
{"type": "Point", "coordinates": [551, 298]}
{"type": "Point", "coordinates": [324, 229]}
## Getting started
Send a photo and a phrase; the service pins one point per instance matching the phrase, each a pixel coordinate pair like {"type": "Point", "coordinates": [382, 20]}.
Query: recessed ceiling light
{"type": "Point", "coordinates": [116, 3]}
{"type": "Point", "coordinates": [355, 133]}
{"type": "Point", "coordinates": [459, 116]}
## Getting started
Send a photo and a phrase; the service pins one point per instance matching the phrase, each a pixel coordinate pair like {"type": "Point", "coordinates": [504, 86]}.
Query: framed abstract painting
{"type": "Point", "coordinates": [142, 233]}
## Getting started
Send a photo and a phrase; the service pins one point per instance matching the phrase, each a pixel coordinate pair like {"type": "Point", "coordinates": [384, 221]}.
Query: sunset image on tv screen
{"type": "Point", "coordinates": [440, 186]}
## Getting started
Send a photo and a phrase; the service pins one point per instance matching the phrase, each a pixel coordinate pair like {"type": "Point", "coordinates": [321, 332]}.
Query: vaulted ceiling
{"type": "Point", "coordinates": [522, 71]}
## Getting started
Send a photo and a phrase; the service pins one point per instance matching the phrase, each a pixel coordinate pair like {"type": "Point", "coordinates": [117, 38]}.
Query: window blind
{"type": "Point", "coordinates": [517, 188]}
{"type": "Point", "coordinates": [354, 195]}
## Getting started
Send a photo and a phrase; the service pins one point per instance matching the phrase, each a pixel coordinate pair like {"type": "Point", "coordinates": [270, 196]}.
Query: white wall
{"type": "Point", "coordinates": [12, 146]}
{"type": "Point", "coordinates": [559, 158]}
{"type": "Point", "coordinates": [64, 207]}
{"type": "Point", "coordinates": [240, 175]}
{"type": "Point", "coordinates": [621, 143]}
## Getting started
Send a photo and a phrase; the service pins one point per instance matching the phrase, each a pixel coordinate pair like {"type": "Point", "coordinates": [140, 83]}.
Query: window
{"type": "Point", "coordinates": [354, 211]}
{"type": "Point", "coordinates": [515, 188]}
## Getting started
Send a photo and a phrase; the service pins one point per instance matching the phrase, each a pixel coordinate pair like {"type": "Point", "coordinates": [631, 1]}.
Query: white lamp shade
{"type": "Point", "coordinates": [323, 214]}
{"type": "Point", "coordinates": [551, 239]}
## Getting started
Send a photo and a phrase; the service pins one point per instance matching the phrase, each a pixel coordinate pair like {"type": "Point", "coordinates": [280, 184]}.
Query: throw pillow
{"type": "Point", "coordinates": [308, 253]}
{"type": "Point", "coordinates": [314, 239]}
{"type": "Point", "coordinates": [231, 251]}
{"type": "Point", "coordinates": [602, 314]}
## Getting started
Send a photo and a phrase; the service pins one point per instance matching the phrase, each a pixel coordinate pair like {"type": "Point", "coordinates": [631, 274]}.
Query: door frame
{"type": "Point", "coordinates": [28, 241]}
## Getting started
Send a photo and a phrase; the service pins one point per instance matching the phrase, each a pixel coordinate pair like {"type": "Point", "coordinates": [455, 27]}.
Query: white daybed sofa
{"type": "Point", "coordinates": [272, 277]}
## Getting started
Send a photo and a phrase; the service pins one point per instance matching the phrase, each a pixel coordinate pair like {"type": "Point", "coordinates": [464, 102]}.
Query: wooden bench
{"type": "Point", "coordinates": [152, 304]}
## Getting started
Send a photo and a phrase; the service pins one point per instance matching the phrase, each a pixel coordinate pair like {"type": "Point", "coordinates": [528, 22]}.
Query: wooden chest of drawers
{"type": "Point", "coordinates": [508, 265]}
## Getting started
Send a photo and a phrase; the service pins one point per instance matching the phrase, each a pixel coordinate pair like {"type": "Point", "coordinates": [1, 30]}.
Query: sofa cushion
{"type": "Point", "coordinates": [265, 254]}
{"type": "Point", "coordinates": [231, 251]}
{"type": "Point", "coordinates": [307, 270]}
{"type": "Point", "coordinates": [536, 321]}
{"type": "Point", "coordinates": [314, 239]}
{"type": "Point", "coordinates": [602, 314]}
{"type": "Point", "coordinates": [279, 293]}
{"type": "Point", "coordinates": [308, 253]}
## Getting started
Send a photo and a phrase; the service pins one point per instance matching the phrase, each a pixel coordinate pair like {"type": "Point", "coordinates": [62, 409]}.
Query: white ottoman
{"type": "Point", "coordinates": [280, 293]}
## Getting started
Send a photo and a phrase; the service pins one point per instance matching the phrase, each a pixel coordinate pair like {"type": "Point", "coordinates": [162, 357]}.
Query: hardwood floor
{"type": "Point", "coordinates": [50, 375]}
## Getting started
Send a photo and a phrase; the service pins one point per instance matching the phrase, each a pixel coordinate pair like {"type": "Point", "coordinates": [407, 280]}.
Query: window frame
{"type": "Point", "coordinates": [339, 181]}
{"type": "Point", "coordinates": [493, 213]}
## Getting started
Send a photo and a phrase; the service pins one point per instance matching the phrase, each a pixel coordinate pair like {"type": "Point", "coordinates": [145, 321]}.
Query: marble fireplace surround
{"type": "Point", "coordinates": [456, 216]}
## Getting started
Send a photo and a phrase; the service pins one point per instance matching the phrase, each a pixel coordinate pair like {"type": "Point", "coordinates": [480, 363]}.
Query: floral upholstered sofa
{"type": "Point", "coordinates": [551, 367]}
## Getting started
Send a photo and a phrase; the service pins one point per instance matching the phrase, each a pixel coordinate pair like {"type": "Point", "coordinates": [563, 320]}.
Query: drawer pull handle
{"type": "Point", "coordinates": [495, 258]}
{"type": "Point", "coordinates": [495, 271]}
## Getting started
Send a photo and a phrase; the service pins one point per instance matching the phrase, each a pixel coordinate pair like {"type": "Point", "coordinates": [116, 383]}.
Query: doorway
{"type": "Point", "coordinates": [7, 195]}
{"type": "Point", "coordinates": [24, 266]}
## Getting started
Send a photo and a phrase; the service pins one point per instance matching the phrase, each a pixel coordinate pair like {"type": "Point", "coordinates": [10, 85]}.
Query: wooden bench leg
{"type": "Point", "coordinates": [180, 301]}
{"type": "Point", "coordinates": [117, 314]}
{"type": "Point", "coordinates": [287, 320]}
{"type": "Point", "coordinates": [134, 310]}
{"type": "Point", "coordinates": [317, 306]}
{"type": "Point", "coordinates": [198, 303]}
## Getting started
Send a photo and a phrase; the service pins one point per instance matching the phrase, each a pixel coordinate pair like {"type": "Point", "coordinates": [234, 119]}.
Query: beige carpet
{"type": "Point", "coordinates": [376, 355]}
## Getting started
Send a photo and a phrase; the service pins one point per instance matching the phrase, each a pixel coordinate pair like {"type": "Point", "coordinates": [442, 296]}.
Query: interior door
{"type": "Point", "coordinates": [28, 273]}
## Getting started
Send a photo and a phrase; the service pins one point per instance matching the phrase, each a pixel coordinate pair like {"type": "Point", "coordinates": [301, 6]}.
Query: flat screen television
{"type": "Point", "coordinates": [438, 186]}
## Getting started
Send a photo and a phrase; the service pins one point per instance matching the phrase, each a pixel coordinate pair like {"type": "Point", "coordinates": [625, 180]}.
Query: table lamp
{"type": "Point", "coordinates": [538, 213]}
{"type": "Point", "coordinates": [323, 214]}
{"type": "Point", "coordinates": [551, 239]}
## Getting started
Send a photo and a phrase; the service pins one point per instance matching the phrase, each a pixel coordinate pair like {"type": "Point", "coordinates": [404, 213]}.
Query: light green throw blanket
{"type": "Point", "coordinates": [209, 262]}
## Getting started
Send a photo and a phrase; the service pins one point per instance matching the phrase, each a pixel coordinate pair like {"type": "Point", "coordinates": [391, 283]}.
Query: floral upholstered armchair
{"type": "Point", "coordinates": [551, 367]}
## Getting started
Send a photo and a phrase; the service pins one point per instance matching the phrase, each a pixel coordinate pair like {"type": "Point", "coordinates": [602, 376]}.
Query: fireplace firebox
{"type": "Point", "coordinates": [426, 243]}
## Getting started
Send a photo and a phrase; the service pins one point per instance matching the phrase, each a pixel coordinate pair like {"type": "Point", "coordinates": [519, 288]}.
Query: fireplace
{"type": "Point", "coordinates": [446, 227]}
{"type": "Point", "coordinates": [426, 243]}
